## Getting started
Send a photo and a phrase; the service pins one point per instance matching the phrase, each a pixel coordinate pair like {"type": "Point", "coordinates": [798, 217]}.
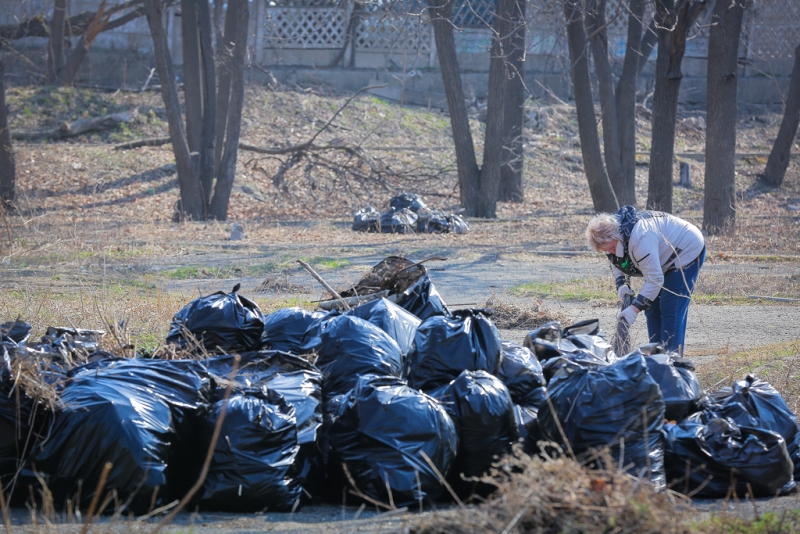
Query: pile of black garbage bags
{"type": "Point", "coordinates": [408, 214]}
{"type": "Point", "coordinates": [372, 403]}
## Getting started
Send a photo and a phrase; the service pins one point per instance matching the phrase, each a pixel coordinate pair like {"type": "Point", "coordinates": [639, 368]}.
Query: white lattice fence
{"type": "Point", "coordinates": [773, 28]}
{"type": "Point", "coordinates": [396, 33]}
{"type": "Point", "coordinates": [305, 27]}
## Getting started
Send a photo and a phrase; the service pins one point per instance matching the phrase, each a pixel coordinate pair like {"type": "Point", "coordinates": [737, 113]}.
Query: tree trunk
{"type": "Point", "coordinates": [100, 23]}
{"type": "Point", "coordinates": [514, 110]}
{"type": "Point", "coordinates": [192, 74]}
{"type": "Point", "coordinates": [626, 102]}
{"type": "Point", "coordinates": [719, 207]}
{"type": "Point", "coordinates": [489, 185]}
{"type": "Point", "coordinates": [209, 79]}
{"type": "Point", "coordinates": [225, 53]}
{"type": "Point", "coordinates": [466, 162]}
{"type": "Point", "coordinates": [781, 151]}
{"type": "Point", "coordinates": [671, 47]}
{"type": "Point", "coordinates": [191, 202]}
{"type": "Point", "coordinates": [227, 170]}
{"type": "Point", "coordinates": [7, 167]}
{"type": "Point", "coordinates": [600, 188]}
{"type": "Point", "coordinates": [596, 26]}
{"type": "Point", "coordinates": [218, 22]}
{"type": "Point", "coordinates": [56, 44]}
{"type": "Point", "coordinates": [649, 40]}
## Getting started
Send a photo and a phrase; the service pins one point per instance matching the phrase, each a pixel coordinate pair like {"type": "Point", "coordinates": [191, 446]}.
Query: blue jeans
{"type": "Point", "coordinates": [666, 317]}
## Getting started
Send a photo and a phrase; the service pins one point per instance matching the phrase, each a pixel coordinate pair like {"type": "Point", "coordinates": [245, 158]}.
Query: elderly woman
{"type": "Point", "coordinates": [663, 249]}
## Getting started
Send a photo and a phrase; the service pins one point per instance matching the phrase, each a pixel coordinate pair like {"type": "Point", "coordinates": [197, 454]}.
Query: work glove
{"type": "Point", "coordinates": [628, 315]}
{"type": "Point", "coordinates": [624, 290]}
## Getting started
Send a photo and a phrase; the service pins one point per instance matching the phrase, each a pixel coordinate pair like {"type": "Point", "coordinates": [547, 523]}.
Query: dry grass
{"type": "Point", "coordinates": [81, 196]}
{"type": "Point", "coordinates": [510, 315]}
{"type": "Point", "coordinates": [562, 496]}
{"type": "Point", "coordinates": [775, 363]}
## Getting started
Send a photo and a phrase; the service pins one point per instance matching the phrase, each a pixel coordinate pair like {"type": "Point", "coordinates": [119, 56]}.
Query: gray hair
{"type": "Point", "coordinates": [602, 229]}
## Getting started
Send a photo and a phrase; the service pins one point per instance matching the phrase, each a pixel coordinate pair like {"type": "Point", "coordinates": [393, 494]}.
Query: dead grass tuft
{"type": "Point", "coordinates": [509, 315]}
{"type": "Point", "coordinates": [560, 495]}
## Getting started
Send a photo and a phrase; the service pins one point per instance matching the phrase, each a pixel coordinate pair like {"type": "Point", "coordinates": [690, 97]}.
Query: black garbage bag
{"type": "Point", "coordinates": [284, 329]}
{"type": "Point", "coordinates": [254, 464]}
{"type": "Point", "coordinates": [522, 374]}
{"type": "Point", "coordinates": [392, 319]}
{"type": "Point", "coordinates": [528, 426]}
{"type": "Point", "coordinates": [581, 345]}
{"type": "Point", "coordinates": [296, 379]}
{"type": "Point", "coordinates": [708, 459]}
{"type": "Point", "coordinates": [446, 346]}
{"type": "Point", "coordinates": [24, 421]}
{"type": "Point", "coordinates": [410, 201]}
{"type": "Point", "coordinates": [380, 433]}
{"type": "Point", "coordinates": [588, 336]}
{"type": "Point", "coordinates": [439, 222]}
{"type": "Point", "coordinates": [675, 376]}
{"type": "Point", "coordinates": [754, 402]}
{"type": "Point", "coordinates": [570, 361]}
{"type": "Point", "coordinates": [483, 412]}
{"type": "Point", "coordinates": [348, 347]}
{"type": "Point", "coordinates": [619, 407]}
{"type": "Point", "coordinates": [221, 323]}
{"type": "Point", "coordinates": [366, 220]}
{"type": "Point", "coordinates": [142, 416]}
{"type": "Point", "coordinates": [402, 221]}
{"type": "Point", "coordinates": [422, 299]}
{"type": "Point", "coordinates": [15, 331]}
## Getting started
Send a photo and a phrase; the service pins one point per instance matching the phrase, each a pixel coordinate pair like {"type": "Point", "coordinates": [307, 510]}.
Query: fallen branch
{"type": "Point", "coordinates": [81, 126]}
{"type": "Point", "coordinates": [275, 151]}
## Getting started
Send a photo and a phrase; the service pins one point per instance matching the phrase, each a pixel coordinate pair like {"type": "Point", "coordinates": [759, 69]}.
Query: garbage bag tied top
{"type": "Point", "coordinates": [253, 467]}
{"type": "Point", "coordinates": [284, 329]}
{"type": "Point", "coordinates": [446, 346]}
{"type": "Point", "coordinates": [297, 380]}
{"type": "Point", "coordinates": [348, 347]}
{"type": "Point", "coordinates": [754, 402]}
{"type": "Point", "coordinates": [522, 374]}
{"type": "Point", "coordinates": [392, 319]}
{"type": "Point", "coordinates": [220, 323]}
{"type": "Point", "coordinates": [619, 406]}
{"type": "Point", "coordinates": [139, 415]}
{"type": "Point", "coordinates": [708, 459]}
{"type": "Point", "coordinates": [380, 433]}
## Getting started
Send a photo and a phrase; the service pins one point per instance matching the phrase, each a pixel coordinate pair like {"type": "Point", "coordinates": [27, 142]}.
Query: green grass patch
{"type": "Point", "coordinates": [323, 262]}
{"type": "Point", "coordinates": [182, 273]}
{"type": "Point", "coordinates": [581, 289]}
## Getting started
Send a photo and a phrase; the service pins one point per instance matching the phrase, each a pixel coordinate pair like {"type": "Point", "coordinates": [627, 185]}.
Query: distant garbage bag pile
{"type": "Point", "coordinates": [398, 400]}
{"type": "Point", "coordinates": [408, 214]}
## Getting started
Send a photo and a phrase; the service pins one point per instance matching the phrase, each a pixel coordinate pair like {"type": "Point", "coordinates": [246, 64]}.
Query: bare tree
{"type": "Point", "coordinates": [7, 167]}
{"type": "Point", "coordinates": [478, 186]}
{"type": "Point", "coordinates": [56, 43]}
{"type": "Point", "coordinates": [782, 148]}
{"type": "Point", "coordinates": [674, 18]}
{"type": "Point", "coordinates": [88, 26]}
{"type": "Point", "coordinates": [207, 161]}
{"type": "Point", "coordinates": [719, 206]}
{"type": "Point", "coordinates": [603, 196]}
{"type": "Point", "coordinates": [34, 27]}
{"type": "Point", "coordinates": [511, 189]}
